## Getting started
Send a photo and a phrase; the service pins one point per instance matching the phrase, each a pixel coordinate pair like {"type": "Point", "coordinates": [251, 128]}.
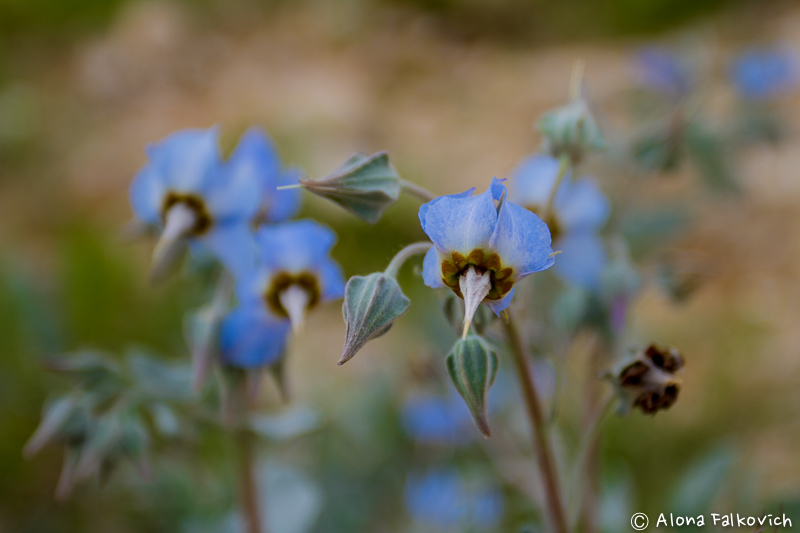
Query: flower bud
{"type": "Point", "coordinates": [571, 130]}
{"type": "Point", "coordinates": [472, 366]}
{"type": "Point", "coordinates": [649, 382]}
{"type": "Point", "coordinates": [364, 186]}
{"type": "Point", "coordinates": [371, 305]}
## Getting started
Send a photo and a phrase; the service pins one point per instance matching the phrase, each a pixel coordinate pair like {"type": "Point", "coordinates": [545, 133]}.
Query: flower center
{"type": "Point", "coordinates": [283, 281]}
{"type": "Point", "coordinates": [202, 219]}
{"type": "Point", "coordinates": [455, 265]}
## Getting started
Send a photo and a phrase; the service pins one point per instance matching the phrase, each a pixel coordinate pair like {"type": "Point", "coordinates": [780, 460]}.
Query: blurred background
{"type": "Point", "coordinates": [451, 89]}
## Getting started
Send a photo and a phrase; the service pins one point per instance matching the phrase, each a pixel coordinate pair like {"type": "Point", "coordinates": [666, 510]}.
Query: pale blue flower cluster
{"type": "Point", "coordinates": [437, 419]}
{"type": "Point", "coordinates": [441, 498]}
{"type": "Point", "coordinates": [578, 212]}
{"type": "Point", "coordinates": [233, 209]}
{"type": "Point", "coordinates": [665, 72]}
{"type": "Point", "coordinates": [761, 74]}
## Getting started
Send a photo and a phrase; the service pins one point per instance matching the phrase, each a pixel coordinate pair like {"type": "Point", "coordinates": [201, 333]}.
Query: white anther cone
{"type": "Point", "coordinates": [294, 301]}
{"type": "Point", "coordinates": [474, 288]}
{"type": "Point", "coordinates": [180, 219]}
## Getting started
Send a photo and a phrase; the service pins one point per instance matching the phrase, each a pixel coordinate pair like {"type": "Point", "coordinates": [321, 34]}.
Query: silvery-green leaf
{"type": "Point", "coordinates": [286, 425]}
{"type": "Point", "coordinates": [164, 419]}
{"type": "Point", "coordinates": [104, 437]}
{"type": "Point", "coordinates": [160, 379]}
{"type": "Point", "coordinates": [56, 417]}
{"type": "Point", "coordinates": [87, 367]}
{"type": "Point", "coordinates": [371, 305]}
{"type": "Point", "coordinates": [290, 499]}
{"type": "Point", "coordinates": [472, 366]}
{"type": "Point", "coordinates": [365, 186]}
{"type": "Point", "coordinates": [703, 481]}
{"type": "Point", "coordinates": [201, 329]}
{"type": "Point", "coordinates": [711, 156]}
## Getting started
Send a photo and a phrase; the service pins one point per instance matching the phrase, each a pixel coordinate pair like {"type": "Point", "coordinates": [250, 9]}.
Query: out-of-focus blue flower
{"type": "Point", "coordinates": [482, 246]}
{"type": "Point", "coordinates": [252, 337]}
{"type": "Point", "coordinates": [441, 498]}
{"type": "Point", "coordinates": [184, 190]}
{"type": "Point", "coordinates": [294, 274]}
{"type": "Point", "coordinates": [579, 210]}
{"type": "Point", "coordinates": [763, 74]}
{"type": "Point", "coordinates": [435, 419]}
{"type": "Point", "coordinates": [256, 159]}
{"type": "Point", "coordinates": [664, 72]}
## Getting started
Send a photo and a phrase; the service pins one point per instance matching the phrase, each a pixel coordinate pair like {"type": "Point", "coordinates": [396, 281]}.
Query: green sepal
{"type": "Point", "coordinates": [371, 305]}
{"type": "Point", "coordinates": [365, 186]}
{"type": "Point", "coordinates": [472, 366]}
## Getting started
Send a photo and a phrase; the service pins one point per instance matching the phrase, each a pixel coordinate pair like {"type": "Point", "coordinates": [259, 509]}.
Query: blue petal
{"type": "Point", "coordinates": [581, 260]}
{"type": "Point", "coordinates": [331, 280]}
{"type": "Point", "coordinates": [522, 240]}
{"type": "Point", "coordinates": [147, 195]}
{"type": "Point", "coordinates": [584, 206]}
{"type": "Point", "coordinates": [284, 204]}
{"type": "Point", "coordinates": [250, 286]}
{"type": "Point", "coordinates": [188, 160]}
{"type": "Point", "coordinates": [431, 269]}
{"type": "Point", "coordinates": [533, 179]}
{"type": "Point", "coordinates": [233, 245]}
{"type": "Point", "coordinates": [253, 166]}
{"type": "Point", "coordinates": [423, 210]}
{"type": "Point", "coordinates": [294, 246]}
{"type": "Point", "coordinates": [251, 338]}
{"type": "Point", "coordinates": [500, 305]}
{"type": "Point", "coordinates": [664, 71]}
{"type": "Point", "coordinates": [458, 223]}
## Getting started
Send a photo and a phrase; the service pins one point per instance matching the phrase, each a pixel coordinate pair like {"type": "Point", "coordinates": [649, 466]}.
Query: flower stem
{"type": "Point", "coordinates": [405, 254]}
{"type": "Point", "coordinates": [415, 190]}
{"type": "Point", "coordinates": [251, 512]}
{"type": "Point", "coordinates": [544, 452]}
{"type": "Point", "coordinates": [587, 453]}
{"type": "Point", "coordinates": [562, 171]}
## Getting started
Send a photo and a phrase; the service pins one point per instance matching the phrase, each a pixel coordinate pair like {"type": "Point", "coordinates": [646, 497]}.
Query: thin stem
{"type": "Point", "coordinates": [562, 171]}
{"type": "Point", "coordinates": [405, 254]}
{"type": "Point", "coordinates": [544, 452]}
{"type": "Point", "coordinates": [588, 445]}
{"type": "Point", "coordinates": [576, 80]}
{"type": "Point", "coordinates": [251, 511]}
{"type": "Point", "coordinates": [415, 190]}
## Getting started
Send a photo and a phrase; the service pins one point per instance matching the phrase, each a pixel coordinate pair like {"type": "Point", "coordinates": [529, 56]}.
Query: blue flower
{"type": "Point", "coordinates": [665, 72]}
{"type": "Point", "coordinates": [256, 159]}
{"type": "Point", "coordinates": [763, 74]}
{"type": "Point", "coordinates": [252, 337]}
{"type": "Point", "coordinates": [579, 210]}
{"type": "Point", "coordinates": [482, 246]}
{"type": "Point", "coordinates": [293, 275]}
{"type": "Point", "coordinates": [441, 498]}
{"type": "Point", "coordinates": [184, 190]}
{"type": "Point", "coordinates": [433, 419]}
